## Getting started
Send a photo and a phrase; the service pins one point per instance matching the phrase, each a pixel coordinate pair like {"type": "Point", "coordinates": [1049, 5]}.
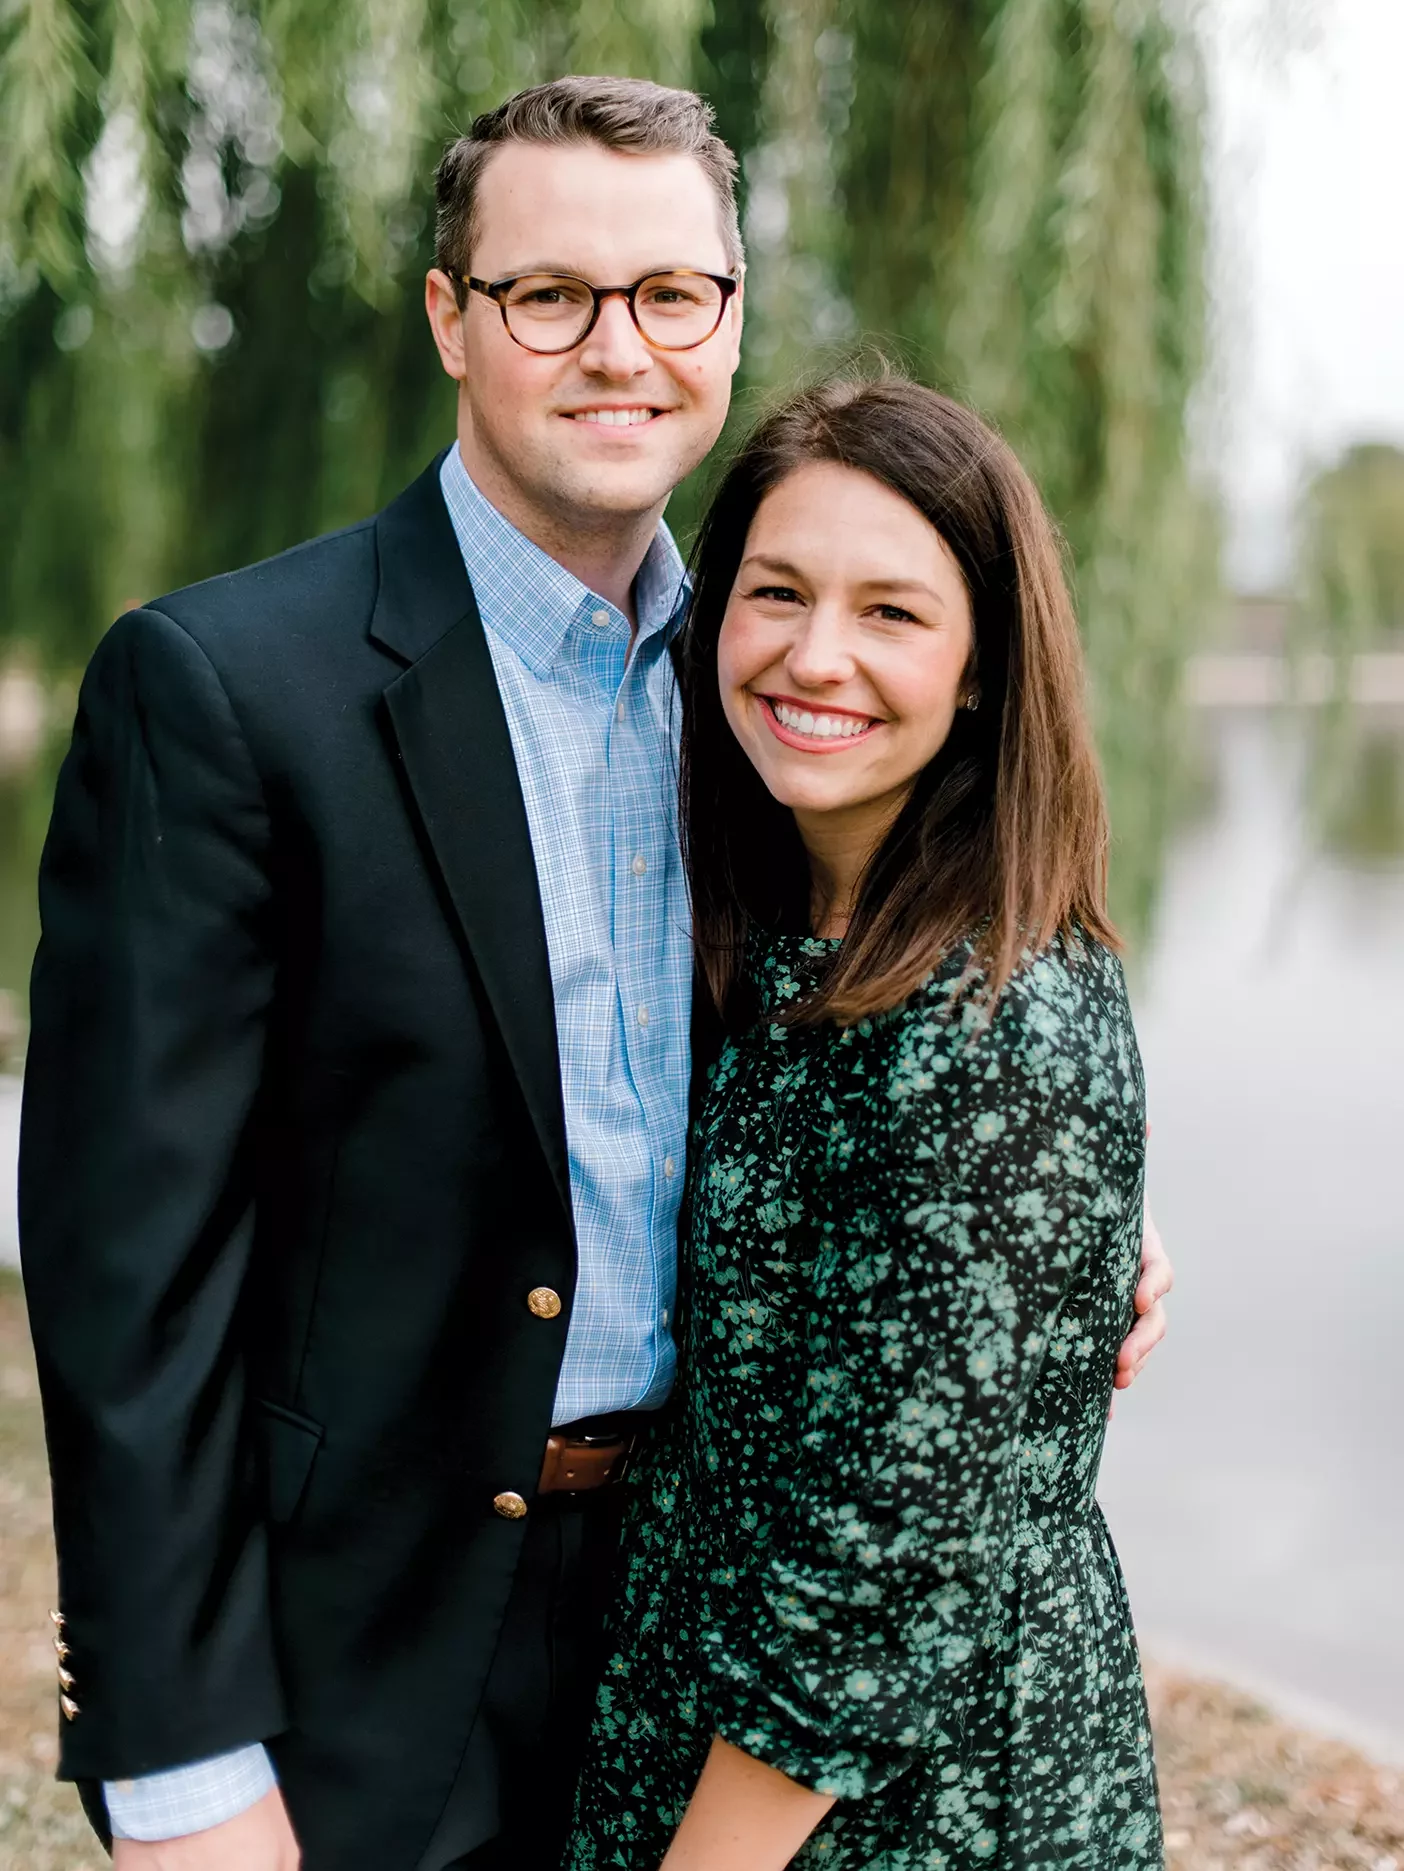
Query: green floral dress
{"type": "Point", "coordinates": [864, 1547]}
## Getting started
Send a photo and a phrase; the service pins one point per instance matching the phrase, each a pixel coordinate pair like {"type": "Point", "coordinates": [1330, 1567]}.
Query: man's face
{"type": "Point", "coordinates": [524, 419]}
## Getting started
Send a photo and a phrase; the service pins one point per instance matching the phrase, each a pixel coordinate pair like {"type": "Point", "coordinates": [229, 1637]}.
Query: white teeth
{"type": "Point", "coordinates": [614, 418]}
{"type": "Point", "coordinates": [819, 727]}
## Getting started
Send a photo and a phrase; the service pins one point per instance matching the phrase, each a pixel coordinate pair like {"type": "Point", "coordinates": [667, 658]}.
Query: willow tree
{"type": "Point", "coordinates": [1349, 603]}
{"type": "Point", "coordinates": [213, 222]}
{"type": "Point", "coordinates": [214, 218]}
{"type": "Point", "coordinates": [1008, 194]}
{"type": "Point", "coordinates": [1351, 570]}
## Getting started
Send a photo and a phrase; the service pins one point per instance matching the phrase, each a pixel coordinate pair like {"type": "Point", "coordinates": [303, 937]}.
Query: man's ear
{"type": "Point", "coordinates": [446, 322]}
{"type": "Point", "coordinates": [737, 310]}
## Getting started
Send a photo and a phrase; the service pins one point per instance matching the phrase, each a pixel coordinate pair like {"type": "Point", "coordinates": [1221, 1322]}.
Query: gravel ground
{"type": "Point", "coordinates": [42, 1827]}
{"type": "Point", "coordinates": [1242, 1791]}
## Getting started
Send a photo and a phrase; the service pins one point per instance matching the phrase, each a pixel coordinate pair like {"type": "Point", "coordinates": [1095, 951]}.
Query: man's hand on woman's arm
{"type": "Point", "coordinates": [1157, 1278]}
{"type": "Point", "coordinates": [258, 1839]}
{"type": "Point", "coordinates": [743, 1816]}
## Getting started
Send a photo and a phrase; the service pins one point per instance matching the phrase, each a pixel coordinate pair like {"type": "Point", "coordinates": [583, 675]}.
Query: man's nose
{"type": "Point", "coordinates": [615, 348]}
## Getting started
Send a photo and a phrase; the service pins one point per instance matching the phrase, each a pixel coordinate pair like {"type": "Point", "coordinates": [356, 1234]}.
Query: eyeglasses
{"type": "Point", "coordinates": [552, 312]}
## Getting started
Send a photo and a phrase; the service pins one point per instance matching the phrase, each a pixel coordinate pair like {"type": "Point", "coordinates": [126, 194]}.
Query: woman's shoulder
{"type": "Point", "coordinates": [1067, 1001]}
{"type": "Point", "coordinates": [1076, 974]}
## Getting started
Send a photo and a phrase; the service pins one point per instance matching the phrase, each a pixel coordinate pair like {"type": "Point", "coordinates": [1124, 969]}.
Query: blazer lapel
{"type": "Point", "coordinates": [450, 731]}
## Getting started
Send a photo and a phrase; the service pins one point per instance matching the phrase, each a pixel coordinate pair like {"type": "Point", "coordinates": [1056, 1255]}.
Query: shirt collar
{"type": "Point", "coordinates": [529, 601]}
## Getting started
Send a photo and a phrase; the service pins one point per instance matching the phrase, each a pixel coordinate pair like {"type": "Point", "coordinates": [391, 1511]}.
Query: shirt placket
{"type": "Point", "coordinates": [641, 878]}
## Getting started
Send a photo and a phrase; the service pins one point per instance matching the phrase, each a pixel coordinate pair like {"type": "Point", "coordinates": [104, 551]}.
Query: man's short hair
{"type": "Point", "coordinates": [629, 114]}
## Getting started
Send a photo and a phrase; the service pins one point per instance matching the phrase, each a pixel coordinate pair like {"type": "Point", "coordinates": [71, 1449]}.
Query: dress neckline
{"type": "Point", "coordinates": [782, 966]}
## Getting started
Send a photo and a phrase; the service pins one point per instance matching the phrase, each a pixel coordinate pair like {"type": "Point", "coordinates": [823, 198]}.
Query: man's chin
{"type": "Point", "coordinates": [603, 490]}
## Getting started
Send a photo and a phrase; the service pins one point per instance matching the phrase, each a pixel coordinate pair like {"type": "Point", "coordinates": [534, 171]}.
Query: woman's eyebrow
{"type": "Point", "coordinates": [782, 568]}
{"type": "Point", "coordinates": [761, 562]}
{"type": "Point", "coordinates": [903, 584]}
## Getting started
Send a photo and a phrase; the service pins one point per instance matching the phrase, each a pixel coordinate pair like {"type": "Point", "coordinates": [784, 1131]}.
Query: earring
{"type": "Point", "coordinates": [972, 700]}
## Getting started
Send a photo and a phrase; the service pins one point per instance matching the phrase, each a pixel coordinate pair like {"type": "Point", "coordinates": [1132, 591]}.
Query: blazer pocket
{"type": "Point", "coordinates": [290, 1443]}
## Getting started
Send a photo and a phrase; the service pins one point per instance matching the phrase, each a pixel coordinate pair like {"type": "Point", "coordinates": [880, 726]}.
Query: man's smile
{"type": "Point", "coordinates": [615, 415]}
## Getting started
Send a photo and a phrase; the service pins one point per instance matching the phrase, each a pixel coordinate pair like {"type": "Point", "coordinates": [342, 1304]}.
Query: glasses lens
{"type": "Point", "coordinates": [548, 312]}
{"type": "Point", "coordinates": [675, 310]}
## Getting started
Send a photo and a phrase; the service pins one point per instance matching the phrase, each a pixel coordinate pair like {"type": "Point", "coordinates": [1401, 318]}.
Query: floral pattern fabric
{"type": "Point", "coordinates": [864, 1546]}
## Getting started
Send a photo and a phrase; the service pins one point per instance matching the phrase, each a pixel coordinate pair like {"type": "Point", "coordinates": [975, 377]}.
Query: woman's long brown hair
{"type": "Point", "coordinates": [1004, 837]}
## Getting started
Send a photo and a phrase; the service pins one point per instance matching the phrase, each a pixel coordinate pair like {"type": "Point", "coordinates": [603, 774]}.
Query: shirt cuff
{"type": "Point", "coordinates": [183, 1800]}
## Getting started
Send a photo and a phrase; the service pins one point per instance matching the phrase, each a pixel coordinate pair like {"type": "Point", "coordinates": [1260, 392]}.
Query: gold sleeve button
{"type": "Point", "coordinates": [544, 1302]}
{"type": "Point", "coordinates": [510, 1506]}
{"type": "Point", "coordinates": [69, 1707]}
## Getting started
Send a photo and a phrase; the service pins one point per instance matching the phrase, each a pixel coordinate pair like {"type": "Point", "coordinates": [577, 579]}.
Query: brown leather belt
{"type": "Point", "coordinates": [574, 1464]}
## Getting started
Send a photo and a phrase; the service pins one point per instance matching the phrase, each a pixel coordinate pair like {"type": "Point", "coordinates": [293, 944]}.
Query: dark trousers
{"type": "Point", "coordinates": [511, 1803]}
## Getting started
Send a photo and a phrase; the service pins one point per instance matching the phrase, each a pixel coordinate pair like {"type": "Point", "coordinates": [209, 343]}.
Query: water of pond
{"type": "Point", "coordinates": [1253, 1479]}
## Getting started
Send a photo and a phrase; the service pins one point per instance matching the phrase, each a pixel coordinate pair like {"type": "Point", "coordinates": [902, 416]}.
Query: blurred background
{"type": "Point", "coordinates": [1159, 242]}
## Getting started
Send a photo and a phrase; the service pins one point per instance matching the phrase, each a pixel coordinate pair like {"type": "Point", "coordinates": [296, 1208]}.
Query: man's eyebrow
{"type": "Point", "coordinates": [517, 271]}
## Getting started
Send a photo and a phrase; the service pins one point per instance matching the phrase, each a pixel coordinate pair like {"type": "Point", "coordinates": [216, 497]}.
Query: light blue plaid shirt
{"type": "Point", "coordinates": [593, 730]}
{"type": "Point", "coordinates": [593, 726]}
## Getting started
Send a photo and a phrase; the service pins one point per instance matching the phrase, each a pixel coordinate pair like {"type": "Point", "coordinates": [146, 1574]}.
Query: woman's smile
{"type": "Point", "coordinates": [815, 727]}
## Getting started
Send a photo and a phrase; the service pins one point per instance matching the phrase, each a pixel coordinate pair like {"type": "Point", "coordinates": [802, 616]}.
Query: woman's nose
{"type": "Point", "coordinates": [820, 652]}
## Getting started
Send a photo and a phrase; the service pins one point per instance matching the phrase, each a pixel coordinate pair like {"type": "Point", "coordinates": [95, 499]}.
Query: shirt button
{"type": "Point", "coordinates": [619, 711]}
{"type": "Point", "coordinates": [510, 1506]}
{"type": "Point", "coordinates": [639, 865]}
{"type": "Point", "coordinates": [600, 619]}
{"type": "Point", "coordinates": [669, 1166]}
{"type": "Point", "coordinates": [665, 1318]}
{"type": "Point", "coordinates": [643, 1016]}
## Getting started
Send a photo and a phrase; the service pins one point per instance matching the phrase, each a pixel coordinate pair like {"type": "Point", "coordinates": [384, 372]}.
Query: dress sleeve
{"type": "Point", "coordinates": [970, 1181]}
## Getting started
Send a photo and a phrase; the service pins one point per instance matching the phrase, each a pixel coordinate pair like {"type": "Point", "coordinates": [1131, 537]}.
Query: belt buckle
{"type": "Point", "coordinates": [631, 1443]}
{"type": "Point", "coordinates": [626, 1460]}
{"type": "Point", "coordinates": [628, 1441]}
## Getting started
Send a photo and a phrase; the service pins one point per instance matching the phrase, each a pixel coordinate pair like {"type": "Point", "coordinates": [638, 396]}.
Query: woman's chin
{"type": "Point", "coordinates": [812, 803]}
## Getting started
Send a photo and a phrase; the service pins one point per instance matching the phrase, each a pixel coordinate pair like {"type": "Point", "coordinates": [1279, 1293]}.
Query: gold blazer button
{"type": "Point", "coordinates": [510, 1506]}
{"type": "Point", "coordinates": [545, 1303]}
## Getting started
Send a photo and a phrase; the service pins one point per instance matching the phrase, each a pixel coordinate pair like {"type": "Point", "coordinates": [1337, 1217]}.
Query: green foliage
{"type": "Point", "coordinates": [214, 220]}
{"type": "Point", "coordinates": [1019, 206]}
{"type": "Point", "coordinates": [1350, 601]}
{"type": "Point", "coordinates": [1352, 566]}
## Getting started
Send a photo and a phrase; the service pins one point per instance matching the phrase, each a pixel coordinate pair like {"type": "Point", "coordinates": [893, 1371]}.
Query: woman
{"type": "Point", "coordinates": [871, 1615]}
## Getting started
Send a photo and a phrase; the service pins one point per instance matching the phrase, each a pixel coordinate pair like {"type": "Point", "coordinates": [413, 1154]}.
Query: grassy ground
{"type": "Point", "coordinates": [1242, 1792]}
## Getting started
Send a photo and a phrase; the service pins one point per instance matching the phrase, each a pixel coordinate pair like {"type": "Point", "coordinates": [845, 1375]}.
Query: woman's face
{"type": "Point", "coordinates": [843, 648]}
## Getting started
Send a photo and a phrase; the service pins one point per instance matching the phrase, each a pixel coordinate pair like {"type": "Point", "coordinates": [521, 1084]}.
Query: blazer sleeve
{"type": "Point", "coordinates": [1002, 1160]}
{"type": "Point", "coordinates": [149, 1008]}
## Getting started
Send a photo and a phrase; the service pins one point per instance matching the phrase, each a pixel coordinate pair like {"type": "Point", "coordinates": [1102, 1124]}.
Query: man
{"type": "Point", "coordinates": [356, 1100]}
